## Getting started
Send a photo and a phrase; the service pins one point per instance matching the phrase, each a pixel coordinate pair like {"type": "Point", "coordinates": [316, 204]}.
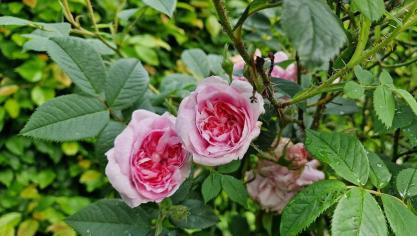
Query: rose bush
{"type": "Point", "coordinates": [339, 87]}
{"type": "Point", "coordinates": [148, 162]}
{"type": "Point", "coordinates": [217, 122]}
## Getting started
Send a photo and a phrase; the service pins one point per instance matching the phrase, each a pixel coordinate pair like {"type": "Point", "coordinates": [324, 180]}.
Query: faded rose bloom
{"type": "Point", "coordinates": [297, 154]}
{"type": "Point", "coordinates": [218, 121]}
{"type": "Point", "coordinates": [282, 147]}
{"type": "Point", "coordinates": [273, 185]}
{"type": "Point", "coordinates": [148, 162]}
{"type": "Point", "coordinates": [289, 73]}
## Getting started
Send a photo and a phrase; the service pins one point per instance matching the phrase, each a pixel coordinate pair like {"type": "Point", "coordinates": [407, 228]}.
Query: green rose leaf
{"type": "Point", "coordinates": [364, 76]}
{"type": "Point", "coordinates": [372, 9]}
{"type": "Point", "coordinates": [313, 29]}
{"type": "Point", "coordinates": [411, 101]}
{"type": "Point", "coordinates": [401, 219]}
{"type": "Point", "coordinates": [354, 90]}
{"type": "Point", "coordinates": [197, 61]}
{"type": "Point", "coordinates": [407, 182]}
{"type": "Point", "coordinates": [307, 205]}
{"type": "Point", "coordinates": [379, 173]}
{"type": "Point", "coordinates": [235, 189]}
{"type": "Point", "coordinates": [67, 118]}
{"type": "Point", "coordinates": [80, 61]}
{"type": "Point", "coordinates": [358, 213]}
{"type": "Point", "coordinates": [211, 186]}
{"type": "Point", "coordinates": [384, 105]}
{"type": "Point", "coordinates": [165, 6]}
{"type": "Point", "coordinates": [127, 81]}
{"type": "Point", "coordinates": [110, 217]}
{"type": "Point", "coordinates": [344, 153]}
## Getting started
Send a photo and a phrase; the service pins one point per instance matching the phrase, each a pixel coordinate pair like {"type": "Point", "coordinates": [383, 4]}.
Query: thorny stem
{"type": "Point", "coordinates": [238, 43]}
{"type": "Point", "coordinates": [339, 74]}
{"type": "Point", "coordinates": [260, 83]}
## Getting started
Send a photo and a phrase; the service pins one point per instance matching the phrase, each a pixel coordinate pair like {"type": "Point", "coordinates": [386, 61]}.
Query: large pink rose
{"type": "Point", "coordinates": [218, 121]}
{"type": "Point", "coordinates": [273, 185]}
{"type": "Point", "coordinates": [148, 162]}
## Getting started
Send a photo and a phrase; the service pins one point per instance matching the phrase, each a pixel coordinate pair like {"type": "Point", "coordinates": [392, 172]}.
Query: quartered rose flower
{"type": "Point", "coordinates": [218, 121]}
{"type": "Point", "coordinates": [148, 162]}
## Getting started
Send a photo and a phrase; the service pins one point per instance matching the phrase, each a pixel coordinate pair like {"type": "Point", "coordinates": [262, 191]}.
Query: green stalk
{"type": "Point", "coordinates": [362, 41]}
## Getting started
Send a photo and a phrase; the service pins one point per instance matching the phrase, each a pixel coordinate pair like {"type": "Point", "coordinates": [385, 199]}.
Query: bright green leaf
{"type": "Point", "coordinates": [67, 118]}
{"type": "Point", "coordinates": [10, 219]}
{"type": "Point", "coordinates": [313, 29]}
{"type": "Point", "coordinates": [165, 6]}
{"type": "Point", "coordinates": [28, 228]}
{"type": "Point", "coordinates": [197, 61]}
{"type": "Point", "coordinates": [364, 76]}
{"type": "Point", "coordinates": [379, 173]}
{"type": "Point", "coordinates": [11, 20]}
{"type": "Point", "coordinates": [372, 9]}
{"type": "Point", "coordinates": [358, 213]}
{"type": "Point", "coordinates": [107, 216]}
{"type": "Point", "coordinates": [354, 90]}
{"type": "Point", "coordinates": [384, 105]}
{"type": "Point", "coordinates": [386, 79]}
{"type": "Point", "coordinates": [41, 95]}
{"type": "Point", "coordinates": [211, 187]}
{"type": "Point", "coordinates": [80, 61]}
{"type": "Point", "coordinates": [230, 167]}
{"type": "Point", "coordinates": [127, 81]}
{"type": "Point", "coordinates": [344, 153]}
{"type": "Point", "coordinates": [12, 107]}
{"type": "Point", "coordinates": [407, 182]}
{"type": "Point", "coordinates": [401, 219]}
{"type": "Point", "coordinates": [235, 189]}
{"type": "Point", "coordinates": [6, 177]}
{"type": "Point", "coordinates": [309, 204]}
{"type": "Point", "coordinates": [411, 101]}
{"type": "Point", "coordinates": [31, 70]}
{"type": "Point", "coordinates": [44, 178]}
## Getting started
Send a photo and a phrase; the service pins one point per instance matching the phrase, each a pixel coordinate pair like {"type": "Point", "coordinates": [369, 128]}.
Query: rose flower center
{"type": "Point", "coordinates": [221, 122]}
{"type": "Point", "coordinates": [157, 159]}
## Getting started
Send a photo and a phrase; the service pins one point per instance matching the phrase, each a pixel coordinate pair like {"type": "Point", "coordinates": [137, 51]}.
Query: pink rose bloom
{"type": "Point", "coordinates": [218, 121]}
{"type": "Point", "coordinates": [148, 162]}
{"type": "Point", "coordinates": [290, 73]}
{"type": "Point", "coordinates": [273, 185]}
{"type": "Point", "coordinates": [297, 154]}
